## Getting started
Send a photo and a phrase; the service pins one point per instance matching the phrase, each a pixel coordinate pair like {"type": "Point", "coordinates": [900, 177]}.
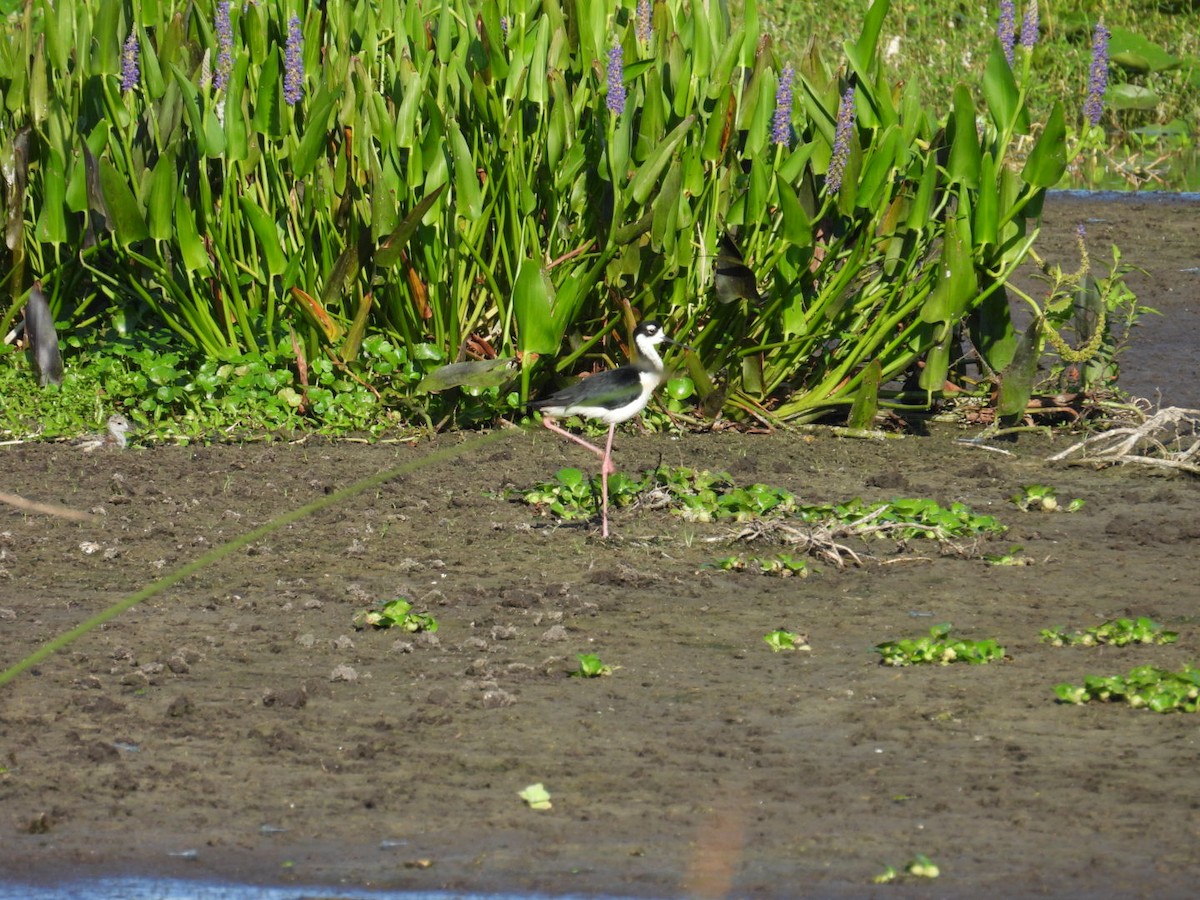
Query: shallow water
{"type": "Point", "coordinates": [181, 889]}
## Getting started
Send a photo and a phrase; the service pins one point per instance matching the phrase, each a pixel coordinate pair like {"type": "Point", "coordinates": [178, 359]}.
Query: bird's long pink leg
{"type": "Point", "coordinates": [605, 467]}
{"type": "Point", "coordinates": [549, 423]}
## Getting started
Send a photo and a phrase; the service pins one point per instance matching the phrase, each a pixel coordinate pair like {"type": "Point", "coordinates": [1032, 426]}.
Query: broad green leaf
{"type": "Point", "coordinates": [649, 172]}
{"type": "Point", "coordinates": [1130, 96]}
{"type": "Point", "coordinates": [267, 232]}
{"type": "Point", "coordinates": [963, 165]}
{"type": "Point", "coordinates": [868, 39]}
{"type": "Point", "coordinates": [866, 400]}
{"type": "Point", "coordinates": [1133, 52]}
{"type": "Point", "coordinates": [532, 304]}
{"type": "Point", "coordinates": [316, 132]}
{"type": "Point", "coordinates": [1016, 382]}
{"type": "Point", "coordinates": [797, 226]}
{"type": "Point", "coordinates": [467, 193]}
{"type": "Point", "coordinates": [992, 332]}
{"type": "Point", "coordinates": [388, 252]}
{"type": "Point", "coordinates": [127, 219]}
{"type": "Point", "coordinates": [236, 140]}
{"type": "Point", "coordinates": [1000, 92]}
{"type": "Point", "coordinates": [160, 207]}
{"type": "Point", "coordinates": [987, 211]}
{"type": "Point", "coordinates": [956, 284]}
{"type": "Point", "coordinates": [191, 245]}
{"type": "Point", "coordinates": [267, 119]}
{"type": "Point", "coordinates": [1048, 160]}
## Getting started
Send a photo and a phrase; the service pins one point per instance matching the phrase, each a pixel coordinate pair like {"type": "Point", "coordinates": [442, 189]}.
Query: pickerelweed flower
{"type": "Point", "coordinates": [615, 101]}
{"type": "Point", "coordinates": [1030, 25]}
{"type": "Point", "coordinates": [841, 142]}
{"type": "Point", "coordinates": [644, 29]}
{"type": "Point", "coordinates": [293, 63]}
{"type": "Point", "coordinates": [1007, 29]}
{"type": "Point", "coordinates": [224, 30]}
{"type": "Point", "coordinates": [130, 71]}
{"type": "Point", "coordinates": [1093, 107]}
{"type": "Point", "coordinates": [781, 124]}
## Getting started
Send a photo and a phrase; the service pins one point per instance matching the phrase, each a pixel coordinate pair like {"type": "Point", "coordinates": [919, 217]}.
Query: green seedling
{"type": "Point", "coordinates": [923, 867]}
{"type": "Point", "coordinates": [395, 614]}
{"type": "Point", "coordinates": [780, 640]}
{"type": "Point", "coordinates": [781, 565]}
{"type": "Point", "coordinates": [1042, 498]}
{"type": "Point", "coordinates": [938, 648]}
{"type": "Point", "coordinates": [907, 517]}
{"type": "Point", "coordinates": [920, 867]}
{"type": "Point", "coordinates": [536, 796]}
{"type": "Point", "coordinates": [591, 666]}
{"type": "Point", "coordinates": [1012, 558]}
{"type": "Point", "coordinates": [1145, 687]}
{"type": "Point", "coordinates": [1114, 632]}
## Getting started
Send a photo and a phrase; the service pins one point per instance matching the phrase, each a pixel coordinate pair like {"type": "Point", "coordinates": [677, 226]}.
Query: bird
{"type": "Point", "coordinates": [732, 278]}
{"type": "Point", "coordinates": [113, 439]}
{"type": "Point", "coordinates": [611, 397]}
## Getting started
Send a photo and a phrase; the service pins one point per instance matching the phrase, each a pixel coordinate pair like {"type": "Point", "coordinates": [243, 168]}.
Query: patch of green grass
{"type": "Point", "coordinates": [1145, 687]}
{"type": "Point", "coordinates": [1114, 632]}
{"type": "Point", "coordinates": [938, 649]}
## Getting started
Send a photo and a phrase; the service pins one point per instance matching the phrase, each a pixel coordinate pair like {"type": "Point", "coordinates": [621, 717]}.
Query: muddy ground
{"type": "Point", "coordinates": [235, 725]}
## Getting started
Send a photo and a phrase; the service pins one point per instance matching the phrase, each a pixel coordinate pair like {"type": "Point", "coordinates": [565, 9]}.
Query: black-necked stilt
{"type": "Point", "coordinates": [114, 439]}
{"type": "Point", "coordinates": [612, 397]}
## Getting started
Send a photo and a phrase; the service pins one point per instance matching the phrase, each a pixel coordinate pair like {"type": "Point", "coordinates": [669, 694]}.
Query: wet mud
{"type": "Point", "coordinates": [237, 725]}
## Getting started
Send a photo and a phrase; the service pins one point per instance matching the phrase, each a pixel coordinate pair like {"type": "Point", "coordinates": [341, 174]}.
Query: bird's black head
{"type": "Point", "coordinates": [650, 330]}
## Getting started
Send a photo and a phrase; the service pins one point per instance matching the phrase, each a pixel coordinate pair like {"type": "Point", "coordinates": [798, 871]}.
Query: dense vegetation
{"type": "Point", "coordinates": [248, 216]}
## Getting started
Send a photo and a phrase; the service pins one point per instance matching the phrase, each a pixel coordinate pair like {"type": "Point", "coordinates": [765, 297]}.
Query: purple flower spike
{"type": "Point", "coordinates": [841, 143]}
{"type": "Point", "coordinates": [615, 101]}
{"type": "Point", "coordinates": [1030, 25]}
{"type": "Point", "coordinates": [1007, 29]}
{"type": "Point", "coordinates": [644, 29]}
{"type": "Point", "coordinates": [1093, 107]}
{"type": "Point", "coordinates": [224, 29]}
{"type": "Point", "coordinates": [293, 65]}
{"type": "Point", "coordinates": [781, 124]}
{"type": "Point", "coordinates": [130, 71]}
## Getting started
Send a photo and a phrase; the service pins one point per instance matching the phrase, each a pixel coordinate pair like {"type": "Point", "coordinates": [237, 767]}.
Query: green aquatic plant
{"type": "Point", "coordinates": [780, 640]}
{"type": "Point", "coordinates": [1144, 687]}
{"type": "Point", "coordinates": [395, 614]}
{"type": "Point", "coordinates": [1114, 632]}
{"type": "Point", "coordinates": [1042, 498]}
{"type": "Point", "coordinates": [781, 565]}
{"type": "Point", "coordinates": [591, 666]}
{"type": "Point", "coordinates": [938, 648]}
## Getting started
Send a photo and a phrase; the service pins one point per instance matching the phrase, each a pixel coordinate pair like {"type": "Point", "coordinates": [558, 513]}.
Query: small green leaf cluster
{"type": "Point", "coordinates": [912, 517]}
{"type": "Point", "coordinates": [781, 565]}
{"type": "Point", "coordinates": [1114, 632]}
{"type": "Point", "coordinates": [1042, 498]}
{"type": "Point", "coordinates": [1012, 558]}
{"type": "Point", "coordinates": [938, 648]}
{"type": "Point", "coordinates": [1145, 687]}
{"type": "Point", "coordinates": [780, 640]}
{"type": "Point", "coordinates": [591, 666]}
{"type": "Point", "coordinates": [395, 614]}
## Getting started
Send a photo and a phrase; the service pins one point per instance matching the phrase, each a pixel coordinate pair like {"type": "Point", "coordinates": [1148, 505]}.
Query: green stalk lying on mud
{"type": "Point", "coordinates": [218, 553]}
